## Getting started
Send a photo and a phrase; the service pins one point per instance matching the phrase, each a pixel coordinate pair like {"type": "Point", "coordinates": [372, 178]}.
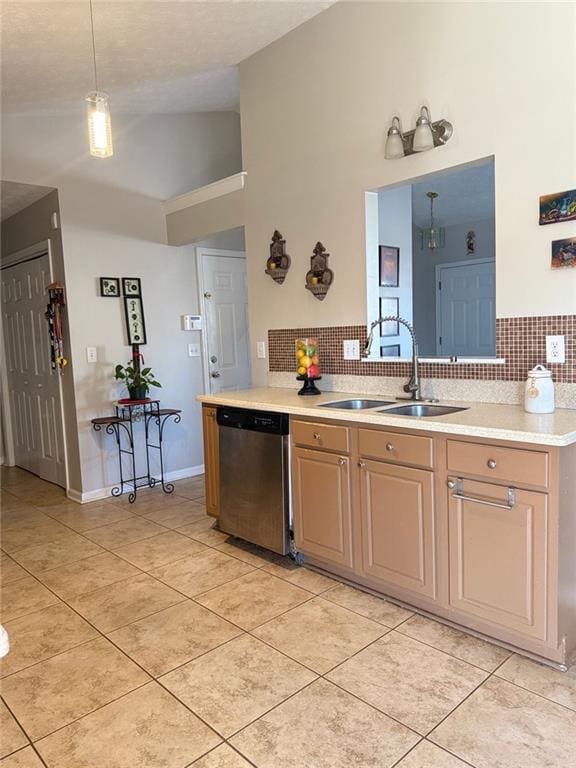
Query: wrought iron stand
{"type": "Point", "coordinates": [122, 427]}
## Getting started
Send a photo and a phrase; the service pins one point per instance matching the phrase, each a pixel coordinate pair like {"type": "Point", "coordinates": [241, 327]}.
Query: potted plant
{"type": "Point", "coordinates": [138, 381]}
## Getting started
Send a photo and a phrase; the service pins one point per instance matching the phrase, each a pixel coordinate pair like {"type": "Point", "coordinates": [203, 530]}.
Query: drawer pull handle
{"type": "Point", "coordinates": [459, 494]}
{"type": "Point", "coordinates": [341, 461]}
{"type": "Point", "coordinates": [362, 465]}
{"type": "Point", "coordinates": [491, 464]}
{"type": "Point", "coordinates": [389, 447]}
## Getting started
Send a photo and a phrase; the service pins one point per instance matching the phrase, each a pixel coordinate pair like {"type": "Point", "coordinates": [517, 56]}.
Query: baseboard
{"type": "Point", "coordinates": [104, 493]}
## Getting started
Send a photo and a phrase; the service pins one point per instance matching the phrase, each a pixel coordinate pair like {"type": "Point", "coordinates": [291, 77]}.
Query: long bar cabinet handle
{"type": "Point", "coordinates": [461, 496]}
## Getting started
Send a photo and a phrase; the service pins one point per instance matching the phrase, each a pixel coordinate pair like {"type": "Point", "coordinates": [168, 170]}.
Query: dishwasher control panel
{"type": "Point", "coordinates": [256, 421]}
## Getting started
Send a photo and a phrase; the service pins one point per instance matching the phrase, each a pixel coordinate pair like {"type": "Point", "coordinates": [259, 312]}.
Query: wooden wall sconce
{"type": "Point", "coordinates": [278, 262]}
{"type": "Point", "coordinates": [319, 278]}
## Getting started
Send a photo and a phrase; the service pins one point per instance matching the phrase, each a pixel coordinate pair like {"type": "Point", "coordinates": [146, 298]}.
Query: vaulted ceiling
{"type": "Point", "coordinates": [153, 56]}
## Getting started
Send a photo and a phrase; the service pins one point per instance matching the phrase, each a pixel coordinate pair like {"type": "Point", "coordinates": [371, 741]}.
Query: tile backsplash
{"type": "Point", "coordinates": [520, 341]}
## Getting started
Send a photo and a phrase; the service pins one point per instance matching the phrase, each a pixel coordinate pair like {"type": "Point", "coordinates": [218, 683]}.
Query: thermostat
{"type": "Point", "coordinates": [191, 322]}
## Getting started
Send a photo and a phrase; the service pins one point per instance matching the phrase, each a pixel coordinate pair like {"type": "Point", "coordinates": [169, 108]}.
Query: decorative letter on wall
{"type": "Point", "coordinates": [278, 262]}
{"type": "Point", "coordinates": [319, 278]}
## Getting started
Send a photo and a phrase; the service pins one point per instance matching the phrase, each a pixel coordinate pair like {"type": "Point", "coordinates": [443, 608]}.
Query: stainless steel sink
{"type": "Point", "coordinates": [422, 409]}
{"type": "Point", "coordinates": [355, 405]}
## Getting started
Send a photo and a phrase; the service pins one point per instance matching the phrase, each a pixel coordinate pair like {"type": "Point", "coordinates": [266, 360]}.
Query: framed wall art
{"type": "Point", "coordinates": [131, 286]}
{"type": "Point", "coordinates": [389, 259]}
{"type": "Point", "coordinates": [135, 326]}
{"type": "Point", "coordinates": [564, 253]}
{"type": "Point", "coordinates": [389, 307]}
{"type": "Point", "coordinates": [390, 350]}
{"type": "Point", "coordinates": [109, 286]}
{"type": "Point", "coordinates": [561, 206]}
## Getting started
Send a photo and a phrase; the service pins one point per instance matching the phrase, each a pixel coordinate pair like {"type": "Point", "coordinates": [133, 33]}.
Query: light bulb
{"type": "Point", "coordinates": [394, 147]}
{"type": "Point", "coordinates": [99, 124]}
{"type": "Point", "coordinates": [423, 138]}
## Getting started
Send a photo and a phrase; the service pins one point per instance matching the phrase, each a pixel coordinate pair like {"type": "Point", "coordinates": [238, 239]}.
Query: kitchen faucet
{"type": "Point", "coordinates": [413, 384]}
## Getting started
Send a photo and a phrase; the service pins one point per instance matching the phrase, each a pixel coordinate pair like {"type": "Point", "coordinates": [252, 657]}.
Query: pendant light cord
{"type": "Point", "coordinates": [93, 46]}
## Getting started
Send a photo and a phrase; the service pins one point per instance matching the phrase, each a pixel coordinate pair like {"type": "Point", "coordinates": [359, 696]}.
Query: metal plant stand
{"type": "Point", "coordinates": [121, 425]}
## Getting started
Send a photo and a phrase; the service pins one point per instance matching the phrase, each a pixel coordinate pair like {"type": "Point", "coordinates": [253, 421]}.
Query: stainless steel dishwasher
{"type": "Point", "coordinates": [254, 502]}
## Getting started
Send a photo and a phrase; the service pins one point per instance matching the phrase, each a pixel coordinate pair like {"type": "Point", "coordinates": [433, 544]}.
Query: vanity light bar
{"type": "Point", "coordinates": [425, 136]}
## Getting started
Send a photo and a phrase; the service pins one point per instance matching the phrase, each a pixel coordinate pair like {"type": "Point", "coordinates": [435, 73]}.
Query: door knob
{"type": "Point", "coordinates": [215, 375]}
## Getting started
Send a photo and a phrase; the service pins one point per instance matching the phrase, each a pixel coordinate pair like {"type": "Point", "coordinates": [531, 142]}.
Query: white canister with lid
{"type": "Point", "coordinates": [539, 393]}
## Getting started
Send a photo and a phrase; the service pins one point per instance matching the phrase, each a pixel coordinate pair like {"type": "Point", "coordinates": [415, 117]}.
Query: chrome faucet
{"type": "Point", "coordinates": [413, 384]}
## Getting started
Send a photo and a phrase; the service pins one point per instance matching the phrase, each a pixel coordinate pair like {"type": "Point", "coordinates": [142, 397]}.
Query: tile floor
{"type": "Point", "coordinates": [144, 638]}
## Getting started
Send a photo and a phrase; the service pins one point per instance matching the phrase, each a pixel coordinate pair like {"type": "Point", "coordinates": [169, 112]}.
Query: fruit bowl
{"type": "Point", "coordinates": [307, 365]}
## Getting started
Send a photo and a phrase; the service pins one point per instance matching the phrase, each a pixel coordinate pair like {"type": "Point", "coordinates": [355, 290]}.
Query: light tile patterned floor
{"type": "Point", "coordinates": [144, 638]}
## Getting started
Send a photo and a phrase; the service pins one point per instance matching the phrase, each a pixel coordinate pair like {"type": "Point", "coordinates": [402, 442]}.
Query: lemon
{"type": "Point", "coordinates": [305, 361]}
{"type": "Point", "coordinates": [300, 353]}
{"type": "Point", "coordinates": [301, 370]}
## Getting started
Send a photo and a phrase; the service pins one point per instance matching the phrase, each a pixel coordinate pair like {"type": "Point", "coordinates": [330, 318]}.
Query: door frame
{"type": "Point", "coordinates": [43, 247]}
{"type": "Point", "coordinates": [201, 253]}
{"type": "Point", "coordinates": [438, 272]}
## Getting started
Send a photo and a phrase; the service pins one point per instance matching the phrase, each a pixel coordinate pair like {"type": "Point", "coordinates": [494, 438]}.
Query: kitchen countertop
{"type": "Point", "coordinates": [485, 420]}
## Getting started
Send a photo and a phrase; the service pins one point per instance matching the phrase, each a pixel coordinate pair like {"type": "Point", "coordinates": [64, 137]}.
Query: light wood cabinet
{"type": "Point", "coordinates": [499, 555]}
{"type": "Point", "coordinates": [211, 460]}
{"type": "Point", "coordinates": [397, 513]}
{"type": "Point", "coordinates": [321, 504]}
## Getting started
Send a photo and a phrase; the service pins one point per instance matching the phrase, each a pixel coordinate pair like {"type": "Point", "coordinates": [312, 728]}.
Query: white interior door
{"type": "Point", "coordinates": [33, 387]}
{"type": "Point", "coordinates": [465, 308]}
{"type": "Point", "coordinates": [225, 303]}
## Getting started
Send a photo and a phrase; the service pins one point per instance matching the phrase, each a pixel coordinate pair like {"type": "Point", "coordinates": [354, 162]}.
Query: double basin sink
{"type": "Point", "coordinates": [418, 410]}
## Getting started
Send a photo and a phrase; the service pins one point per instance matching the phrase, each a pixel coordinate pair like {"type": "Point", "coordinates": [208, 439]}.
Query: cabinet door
{"type": "Point", "coordinates": [211, 460]}
{"type": "Point", "coordinates": [498, 556]}
{"type": "Point", "coordinates": [397, 509]}
{"type": "Point", "coordinates": [321, 500]}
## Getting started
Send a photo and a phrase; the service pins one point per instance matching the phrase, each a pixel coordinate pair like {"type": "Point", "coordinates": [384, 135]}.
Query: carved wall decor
{"type": "Point", "coordinates": [319, 278]}
{"type": "Point", "coordinates": [278, 262]}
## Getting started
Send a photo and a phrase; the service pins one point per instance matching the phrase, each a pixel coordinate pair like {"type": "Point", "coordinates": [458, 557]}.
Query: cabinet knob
{"type": "Point", "coordinates": [451, 484]}
{"type": "Point", "coordinates": [362, 465]}
{"type": "Point", "coordinates": [491, 464]}
{"type": "Point", "coordinates": [389, 447]}
{"type": "Point", "coordinates": [316, 435]}
{"type": "Point", "coordinates": [341, 461]}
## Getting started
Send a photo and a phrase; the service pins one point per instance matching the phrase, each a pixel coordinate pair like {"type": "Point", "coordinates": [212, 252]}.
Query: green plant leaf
{"type": "Point", "coordinates": [146, 371]}
{"type": "Point", "coordinates": [155, 384]}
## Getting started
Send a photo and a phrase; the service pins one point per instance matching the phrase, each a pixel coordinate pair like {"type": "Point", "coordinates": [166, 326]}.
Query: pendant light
{"type": "Point", "coordinates": [98, 112]}
{"type": "Point", "coordinates": [432, 237]}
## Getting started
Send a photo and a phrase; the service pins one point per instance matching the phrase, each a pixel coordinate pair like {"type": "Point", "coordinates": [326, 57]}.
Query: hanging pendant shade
{"type": "Point", "coordinates": [98, 111]}
{"type": "Point", "coordinates": [432, 237]}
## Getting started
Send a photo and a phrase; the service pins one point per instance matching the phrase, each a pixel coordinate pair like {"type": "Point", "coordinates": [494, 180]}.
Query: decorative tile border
{"type": "Point", "coordinates": [521, 341]}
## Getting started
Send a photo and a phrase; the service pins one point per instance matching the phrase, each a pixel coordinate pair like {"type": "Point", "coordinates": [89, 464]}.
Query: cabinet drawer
{"type": "Point", "coordinates": [516, 466]}
{"type": "Point", "coordinates": [329, 437]}
{"type": "Point", "coordinates": [396, 448]}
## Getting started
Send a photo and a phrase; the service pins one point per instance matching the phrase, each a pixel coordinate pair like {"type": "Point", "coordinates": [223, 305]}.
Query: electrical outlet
{"type": "Point", "coordinates": [91, 355]}
{"type": "Point", "coordinates": [351, 349]}
{"type": "Point", "coordinates": [261, 350]}
{"type": "Point", "coordinates": [193, 350]}
{"type": "Point", "coordinates": [555, 349]}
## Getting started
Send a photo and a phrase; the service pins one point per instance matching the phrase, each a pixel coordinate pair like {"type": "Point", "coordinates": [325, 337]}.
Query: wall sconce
{"type": "Point", "coordinates": [425, 136]}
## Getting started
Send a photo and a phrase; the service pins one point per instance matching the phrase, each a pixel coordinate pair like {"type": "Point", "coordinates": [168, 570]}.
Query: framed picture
{"type": "Point", "coordinates": [389, 261]}
{"type": "Point", "coordinates": [561, 206]}
{"type": "Point", "coordinates": [390, 350]}
{"type": "Point", "coordinates": [131, 286]}
{"type": "Point", "coordinates": [109, 286]}
{"type": "Point", "coordinates": [389, 306]}
{"type": "Point", "coordinates": [564, 253]}
{"type": "Point", "coordinates": [135, 326]}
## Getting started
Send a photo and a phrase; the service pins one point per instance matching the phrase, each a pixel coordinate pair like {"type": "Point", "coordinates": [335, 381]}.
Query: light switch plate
{"type": "Point", "coordinates": [261, 350]}
{"type": "Point", "coordinates": [555, 349]}
{"type": "Point", "coordinates": [91, 355]}
{"type": "Point", "coordinates": [193, 350]}
{"type": "Point", "coordinates": [351, 349]}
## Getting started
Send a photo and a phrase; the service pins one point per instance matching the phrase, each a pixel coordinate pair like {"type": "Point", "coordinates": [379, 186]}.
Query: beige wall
{"type": "Point", "coordinates": [25, 229]}
{"type": "Point", "coordinates": [204, 219]}
{"type": "Point", "coordinates": [315, 106]}
{"type": "Point", "coordinates": [113, 225]}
